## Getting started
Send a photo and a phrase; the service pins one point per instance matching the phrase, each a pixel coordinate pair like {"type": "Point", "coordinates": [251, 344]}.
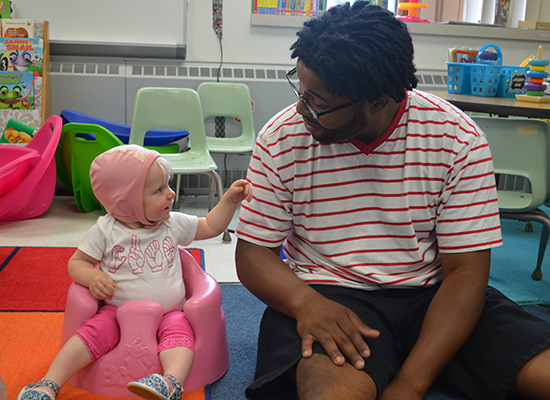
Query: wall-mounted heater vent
{"type": "Point", "coordinates": [427, 80]}
{"type": "Point", "coordinates": [198, 72]}
{"type": "Point", "coordinates": [87, 68]}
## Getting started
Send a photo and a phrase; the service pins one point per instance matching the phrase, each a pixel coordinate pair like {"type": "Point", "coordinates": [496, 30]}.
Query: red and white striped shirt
{"type": "Point", "coordinates": [374, 216]}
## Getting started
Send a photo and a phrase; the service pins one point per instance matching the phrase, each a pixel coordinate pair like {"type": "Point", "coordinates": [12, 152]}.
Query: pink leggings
{"type": "Point", "coordinates": [101, 333]}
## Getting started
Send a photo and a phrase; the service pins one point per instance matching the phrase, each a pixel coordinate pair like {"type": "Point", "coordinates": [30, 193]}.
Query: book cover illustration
{"type": "Point", "coordinates": [516, 82]}
{"type": "Point", "coordinates": [5, 9]}
{"type": "Point", "coordinates": [18, 28]}
{"type": "Point", "coordinates": [16, 90]}
{"type": "Point", "coordinates": [22, 54]}
{"type": "Point", "coordinates": [17, 133]}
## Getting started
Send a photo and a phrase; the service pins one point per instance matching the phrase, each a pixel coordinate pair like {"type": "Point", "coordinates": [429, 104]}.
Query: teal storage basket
{"type": "Point", "coordinates": [484, 78]}
{"type": "Point", "coordinates": [458, 77]}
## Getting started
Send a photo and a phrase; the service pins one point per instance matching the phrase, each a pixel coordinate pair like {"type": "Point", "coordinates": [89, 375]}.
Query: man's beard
{"type": "Point", "coordinates": [356, 126]}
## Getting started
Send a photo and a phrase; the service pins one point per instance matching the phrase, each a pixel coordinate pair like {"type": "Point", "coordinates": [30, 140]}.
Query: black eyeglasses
{"type": "Point", "coordinates": [314, 113]}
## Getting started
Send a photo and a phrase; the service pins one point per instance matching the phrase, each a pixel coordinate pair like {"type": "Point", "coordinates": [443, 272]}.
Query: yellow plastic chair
{"type": "Point", "coordinates": [176, 108]}
{"type": "Point", "coordinates": [520, 154]}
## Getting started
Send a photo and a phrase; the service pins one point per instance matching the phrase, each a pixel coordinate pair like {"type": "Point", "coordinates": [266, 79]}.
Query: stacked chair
{"type": "Point", "coordinates": [230, 100]}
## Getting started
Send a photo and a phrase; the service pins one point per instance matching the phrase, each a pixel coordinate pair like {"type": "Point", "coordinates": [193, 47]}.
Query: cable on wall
{"type": "Point", "coordinates": [217, 25]}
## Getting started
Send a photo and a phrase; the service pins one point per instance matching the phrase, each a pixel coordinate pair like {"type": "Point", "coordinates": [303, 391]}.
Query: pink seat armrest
{"type": "Point", "coordinates": [204, 312]}
{"type": "Point", "coordinates": [81, 305]}
{"type": "Point", "coordinates": [204, 296]}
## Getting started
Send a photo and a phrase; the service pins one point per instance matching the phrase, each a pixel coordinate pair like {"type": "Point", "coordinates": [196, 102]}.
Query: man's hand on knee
{"type": "Point", "coordinates": [338, 330]}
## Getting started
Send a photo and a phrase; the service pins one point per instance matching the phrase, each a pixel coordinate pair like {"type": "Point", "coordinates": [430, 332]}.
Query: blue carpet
{"type": "Point", "coordinates": [513, 263]}
{"type": "Point", "coordinates": [243, 313]}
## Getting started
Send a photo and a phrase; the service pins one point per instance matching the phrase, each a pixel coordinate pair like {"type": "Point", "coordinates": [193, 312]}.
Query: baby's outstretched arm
{"type": "Point", "coordinates": [220, 216]}
{"type": "Point", "coordinates": [240, 190]}
{"type": "Point", "coordinates": [82, 270]}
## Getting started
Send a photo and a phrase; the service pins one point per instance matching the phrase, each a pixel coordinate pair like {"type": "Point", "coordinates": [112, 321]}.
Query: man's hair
{"type": "Point", "coordinates": [361, 51]}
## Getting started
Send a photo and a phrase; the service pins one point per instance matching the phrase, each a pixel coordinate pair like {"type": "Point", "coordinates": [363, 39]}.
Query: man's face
{"type": "Point", "coordinates": [333, 127]}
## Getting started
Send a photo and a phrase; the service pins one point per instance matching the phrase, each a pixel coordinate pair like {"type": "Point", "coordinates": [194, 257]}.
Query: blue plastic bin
{"type": "Point", "coordinates": [484, 78]}
{"type": "Point", "coordinates": [153, 137]}
{"type": "Point", "coordinates": [458, 77]}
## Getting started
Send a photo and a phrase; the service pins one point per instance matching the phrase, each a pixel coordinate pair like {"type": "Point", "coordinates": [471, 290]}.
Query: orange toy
{"type": "Point", "coordinates": [412, 6]}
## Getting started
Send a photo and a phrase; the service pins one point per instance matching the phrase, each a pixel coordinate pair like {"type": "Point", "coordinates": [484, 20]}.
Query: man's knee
{"type": "Point", "coordinates": [533, 378]}
{"type": "Point", "coordinates": [317, 377]}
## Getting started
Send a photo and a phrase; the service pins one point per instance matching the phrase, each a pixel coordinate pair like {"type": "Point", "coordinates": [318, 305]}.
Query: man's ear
{"type": "Point", "coordinates": [378, 104]}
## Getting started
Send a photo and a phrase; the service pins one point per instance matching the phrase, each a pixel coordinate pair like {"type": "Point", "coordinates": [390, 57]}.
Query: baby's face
{"type": "Point", "coordinates": [158, 197]}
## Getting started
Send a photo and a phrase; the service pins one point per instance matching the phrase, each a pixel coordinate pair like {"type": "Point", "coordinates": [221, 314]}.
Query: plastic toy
{"type": "Point", "coordinates": [34, 193]}
{"type": "Point", "coordinates": [14, 165]}
{"type": "Point", "coordinates": [153, 137]}
{"type": "Point", "coordinates": [412, 7]}
{"type": "Point", "coordinates": [537, 74]}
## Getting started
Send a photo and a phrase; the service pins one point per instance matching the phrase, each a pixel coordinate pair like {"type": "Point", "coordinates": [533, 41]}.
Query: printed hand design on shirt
{"type": "Point", "coordinates": [136, 258]}
{"type": "Point", "coordinates": [154, 256]}
{"type": "Point", "coordinates": [169, 247]}
{"type": "Point", "coordinates": [117, 260]}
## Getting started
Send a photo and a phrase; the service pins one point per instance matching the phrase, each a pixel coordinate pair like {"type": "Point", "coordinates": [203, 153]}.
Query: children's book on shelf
{"type": "Point", "coordinates": [22, 54]}
{"type": "Point", "coordinates": [5, 9]}
{"type": "Point", "coordinates": [18, 28]}
{"type": "Point", "coordinates": [17, 133]}
{"type": "Point", "coordinates": [463, 55]}
{"type": "Point", "coordinates": [16, 90]}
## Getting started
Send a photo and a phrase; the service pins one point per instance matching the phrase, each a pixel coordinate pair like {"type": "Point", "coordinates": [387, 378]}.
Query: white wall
{"type": "Point", "coordinates": [241, 41]}
{"type": "Point", "coordinates": [244, 43]}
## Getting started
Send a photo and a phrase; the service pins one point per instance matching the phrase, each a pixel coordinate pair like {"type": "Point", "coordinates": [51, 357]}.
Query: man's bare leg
{"type": "Point", "coordinates": [533, 379]}
{"type": "Point", "coordinates": [317, 377]}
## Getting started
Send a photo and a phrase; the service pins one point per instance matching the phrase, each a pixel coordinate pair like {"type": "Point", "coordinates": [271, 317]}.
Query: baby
{"type": "Point", "coordinates": [135, 245]}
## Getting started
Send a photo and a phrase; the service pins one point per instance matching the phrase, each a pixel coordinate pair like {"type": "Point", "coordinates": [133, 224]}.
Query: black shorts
{"type": "Point", "coordinates": [505, 338]}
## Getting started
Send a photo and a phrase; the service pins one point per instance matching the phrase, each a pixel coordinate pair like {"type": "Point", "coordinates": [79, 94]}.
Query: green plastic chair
{"type": "Point", "coordinates": [228, 100]}
{"type": "Point", "coordinates": [78, 146]}
{"type": "Point", "coordinates": [520, 155]}
{"type": "Point", "coordinates": [176, 108]}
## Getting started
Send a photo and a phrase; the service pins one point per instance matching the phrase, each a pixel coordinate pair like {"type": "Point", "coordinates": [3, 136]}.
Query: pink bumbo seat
{"type": "Point", "coordinates": [136, 354]}
{"type": "Point", "coordinates": [29, 184]}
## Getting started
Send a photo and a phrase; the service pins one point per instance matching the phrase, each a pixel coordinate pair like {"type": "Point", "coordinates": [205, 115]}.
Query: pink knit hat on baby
{"type": "Point", "coordinates": [118, 180]}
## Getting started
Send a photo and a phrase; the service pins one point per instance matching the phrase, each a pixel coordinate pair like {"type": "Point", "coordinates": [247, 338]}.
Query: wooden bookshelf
{"type": "Point", "coordinates": [46, 93]}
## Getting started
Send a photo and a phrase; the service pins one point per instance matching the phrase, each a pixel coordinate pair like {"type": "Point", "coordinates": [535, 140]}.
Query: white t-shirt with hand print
{"type": "Point", "coordinates": [144, 263]}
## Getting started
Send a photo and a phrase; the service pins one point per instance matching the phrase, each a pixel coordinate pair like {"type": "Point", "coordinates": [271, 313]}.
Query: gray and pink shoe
{"type": "Point", "coordinates": [153, 387]}
{"type": "Point", "coordinates": [35, 391]}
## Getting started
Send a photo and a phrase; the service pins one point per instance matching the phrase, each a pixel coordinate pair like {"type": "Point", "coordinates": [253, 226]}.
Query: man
{"type": "Point", "coordinates": [385, 200]}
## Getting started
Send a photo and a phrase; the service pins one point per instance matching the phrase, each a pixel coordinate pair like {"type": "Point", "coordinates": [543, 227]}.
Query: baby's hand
{"type": "Point", "coordinates": [102, 286]}
{"type": "Point", "coordinates": [240, 190]}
